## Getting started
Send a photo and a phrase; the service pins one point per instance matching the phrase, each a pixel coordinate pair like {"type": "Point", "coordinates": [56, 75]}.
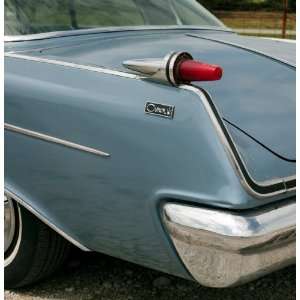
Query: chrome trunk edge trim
{"type": "Point", "coordinates": [71, 65]}
{"type": "Point", "coordinates": [222, 248]}
{"type": "Point", "coordinates": [45, 220]}
{"type": "Point", "coordinates": [54, 140]}
{"type": "Point", "coordinates": [264, 189]}
{"type": "Point", "coordinates": [279, 40]}
{"type": "Point", "coordinates": [70, 33]}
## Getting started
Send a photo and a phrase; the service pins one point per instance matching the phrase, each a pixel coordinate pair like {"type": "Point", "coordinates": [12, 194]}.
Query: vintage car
{"type": "Point", "coordinates": [148, 131]}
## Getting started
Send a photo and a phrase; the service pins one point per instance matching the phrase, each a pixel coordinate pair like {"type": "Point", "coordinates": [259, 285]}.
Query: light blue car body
{"type": "Point", "coordinates": [113, 204]}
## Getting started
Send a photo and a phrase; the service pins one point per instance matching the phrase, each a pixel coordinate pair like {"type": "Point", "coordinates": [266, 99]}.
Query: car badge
{"type": "Point", "coordinates": [161, 110]}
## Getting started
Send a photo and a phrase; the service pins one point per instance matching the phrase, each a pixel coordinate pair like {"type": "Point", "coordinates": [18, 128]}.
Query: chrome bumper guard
{"type": "Point", "coordinates": [222, 248]}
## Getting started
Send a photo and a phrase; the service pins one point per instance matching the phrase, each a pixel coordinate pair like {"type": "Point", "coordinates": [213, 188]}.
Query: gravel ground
{"type": "Point", "coordinates": [95, 276]}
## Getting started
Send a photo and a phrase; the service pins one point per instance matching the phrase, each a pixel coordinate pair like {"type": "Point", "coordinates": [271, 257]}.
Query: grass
{"type": "Point", "coordinates": [259, 20]}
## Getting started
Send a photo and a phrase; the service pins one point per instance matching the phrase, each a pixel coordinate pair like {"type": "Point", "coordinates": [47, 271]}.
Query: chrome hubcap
{"type": "Point", "coordinates": [9, 222]}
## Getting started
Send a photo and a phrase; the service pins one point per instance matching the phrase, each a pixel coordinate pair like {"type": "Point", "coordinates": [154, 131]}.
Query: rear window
{"type": "Point", "coordinates": [38, 16]}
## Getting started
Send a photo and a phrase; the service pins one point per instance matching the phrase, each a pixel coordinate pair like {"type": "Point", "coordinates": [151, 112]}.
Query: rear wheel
{"type": "Point", "coordinates": [32, 251]}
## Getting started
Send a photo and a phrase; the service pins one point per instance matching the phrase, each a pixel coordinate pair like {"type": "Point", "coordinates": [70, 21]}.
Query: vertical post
{"type": "Point", "coordinates": [284, 18]}
{"type": "Point", "coordinates": [72, 13]}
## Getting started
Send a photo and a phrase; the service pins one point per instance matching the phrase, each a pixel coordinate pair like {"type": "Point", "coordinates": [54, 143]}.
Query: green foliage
{"type": "Point", "coordinates": [269, 5]}
{"type": "Point", "coordinates": [292, 5]}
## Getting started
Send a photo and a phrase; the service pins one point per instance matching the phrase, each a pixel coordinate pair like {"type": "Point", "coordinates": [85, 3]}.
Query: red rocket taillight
{"type": "Point", "coordinates": [192, 70]}
{"type": "Point", "coordinates": [175, 68]}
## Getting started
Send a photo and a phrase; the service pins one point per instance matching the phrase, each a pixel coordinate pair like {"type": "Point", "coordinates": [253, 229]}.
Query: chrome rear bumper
{"type": "Point", "coordinates": [222, 248]}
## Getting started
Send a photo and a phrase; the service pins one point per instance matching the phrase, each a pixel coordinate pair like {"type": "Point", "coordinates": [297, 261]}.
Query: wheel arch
{"type": "Point", "coordinates": [25, 202]}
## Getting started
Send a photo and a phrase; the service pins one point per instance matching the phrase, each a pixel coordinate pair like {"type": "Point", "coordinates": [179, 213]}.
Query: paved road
{"type": "Point", "coordinates": [93, 276]}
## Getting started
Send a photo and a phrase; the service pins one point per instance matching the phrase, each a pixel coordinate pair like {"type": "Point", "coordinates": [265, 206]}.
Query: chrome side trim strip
{"type": "Point", "coordinates": [71, 65]}
{"type": "Point", "coordinates": [55, 140]}
{"type": "Point", "coordinates": [68, 33]}
{"type": "Point", "coordinates": [244, 48]}
{"type": "Point", "coordinates": [264, 189]}
{"type": "Point", "coordinates": [45, 220]}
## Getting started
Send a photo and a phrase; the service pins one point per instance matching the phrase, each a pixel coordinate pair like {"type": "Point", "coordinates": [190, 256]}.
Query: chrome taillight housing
{"type": "Point", "coordinates": [175, 68]}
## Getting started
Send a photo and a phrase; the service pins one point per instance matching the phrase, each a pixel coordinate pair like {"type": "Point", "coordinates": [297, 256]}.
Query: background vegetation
{"type": "Point", "coordinates": [252, 5]}
{"type": "Point", "coordinates": [256, 17]}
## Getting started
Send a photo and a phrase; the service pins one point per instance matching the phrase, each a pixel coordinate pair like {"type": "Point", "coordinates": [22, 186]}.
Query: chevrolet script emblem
{"type": "Point", "coordinates": [161, 110]}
